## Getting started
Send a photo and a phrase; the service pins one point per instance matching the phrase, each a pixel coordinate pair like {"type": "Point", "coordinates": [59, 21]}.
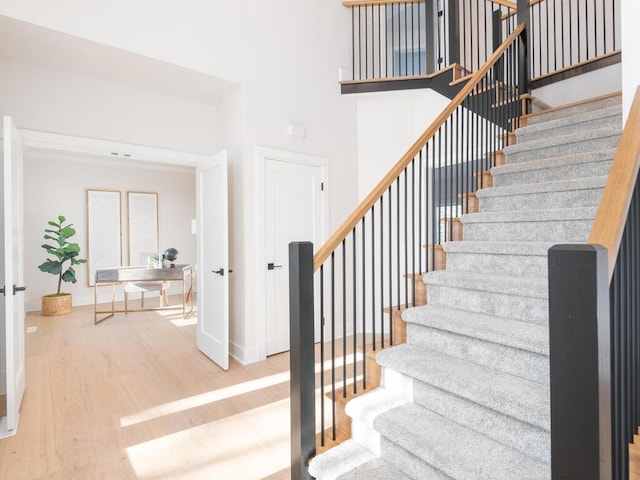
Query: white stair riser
{"type": "Point", "coordinates": [549, 231]}
{"type": "Point", "coordinates": [516, 265]}
{"type": "Point", "coordinates": [510, 360]}
{"type": "Point", "coordinates": [507, 430]}
{"type": "Point", "coordinates": [572, 126]}
{"type": "Point", "coordinates": [591, 169]}
{"type": "Point", "coordinates": [560, 149]}
{"type": "Point", "coordinates": [542, 200]}
{"type": "Point", "coordinates": [525, 309]}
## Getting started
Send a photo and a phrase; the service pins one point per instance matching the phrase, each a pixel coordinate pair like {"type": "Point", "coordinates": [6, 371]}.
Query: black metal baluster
{"type": "Point", "coordinates": [322, 346]}
{"type": "Point", "coordinates": [393, 39]}
{"type": "Point", "coordinates": [381, 272]}
{"type": "Point", "coordinates": [420, 189]}
{"type": "Point", "coordinates": [353, 44]}
{"type": "Point", "coordinates": [364, 305]}
{"type": "Point", "coordinates": [413, 232]}
{"type": "Point", "coordinates": [604, 25]}
{"type": "Point", "coordinates": [546, 3]}
{"type": "Point", "coordinates": [406, 42]}
{"type": "Point", "coordinates": [379, 43]}
{"type": "Point", "coordinates": [344, 319]}
{"type": "Point", "coordinates": [366, 42]}
{"type": "Point", "coordinates": [373, 276]}
{"type": "Point", "coordinates": [406, 247]}
{"type": "Point", "coordinates": [595, 28]}
{"type": "Point", "coordinates": [360, 41]}
{"type": "Point", "coordinates": [333, 347]}
{"type": "Point", "coordinates": [539, 32]}
{"type": "Point", "coordinates": [570, 33]}
{"type": "Point", "coordinates": [355, 312]}
{"type": "Point", "coordinates": [398, 240]}
{"type": "Point", "coordinates": [390, 252]}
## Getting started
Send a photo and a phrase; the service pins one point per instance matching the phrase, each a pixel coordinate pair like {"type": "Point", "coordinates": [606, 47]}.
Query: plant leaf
{"type": "Point", "coordinates": [51, 266]}
{"type": "Point", "coordinates": [69, 275]}
{"type": "Point", "coordinates": [61, 219]}
{"type": "Point", "coordinates": [67, 231]}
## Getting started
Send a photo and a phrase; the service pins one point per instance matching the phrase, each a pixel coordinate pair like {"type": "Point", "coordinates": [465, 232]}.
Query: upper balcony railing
{"type": "Point", "coordinates": [413, 38]}
{"type": "Point", "coordinates": [408, 38]}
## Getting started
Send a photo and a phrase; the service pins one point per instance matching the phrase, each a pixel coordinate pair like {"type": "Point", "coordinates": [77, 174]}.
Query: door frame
{"type": "Point", "coordinates": [261, 155]}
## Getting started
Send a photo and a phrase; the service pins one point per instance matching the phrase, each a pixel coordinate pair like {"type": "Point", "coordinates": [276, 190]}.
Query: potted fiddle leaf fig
{"type": "Point", "coordinates": [62, 256]}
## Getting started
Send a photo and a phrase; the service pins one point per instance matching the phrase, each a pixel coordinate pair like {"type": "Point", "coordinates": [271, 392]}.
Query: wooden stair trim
{"type": "Point", "coordinates": [426, 76]}
{"type": "Point", "coordinates": [611, 216]}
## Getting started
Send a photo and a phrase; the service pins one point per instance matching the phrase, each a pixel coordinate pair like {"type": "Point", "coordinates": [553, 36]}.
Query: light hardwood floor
{"type": "Point", "coordinates": [133, 398]}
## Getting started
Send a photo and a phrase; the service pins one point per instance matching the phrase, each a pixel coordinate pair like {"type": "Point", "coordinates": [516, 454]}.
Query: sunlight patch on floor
{"type": "Point", "coordinates": [185, 322]}
{"type": "Point", "coordinates": [248, 446]}
{"type": "Point", "coordinates": [204, 399]}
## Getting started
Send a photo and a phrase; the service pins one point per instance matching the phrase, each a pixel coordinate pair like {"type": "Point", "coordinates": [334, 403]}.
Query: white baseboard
{"type": "Point", "coordinates": [4, 433]}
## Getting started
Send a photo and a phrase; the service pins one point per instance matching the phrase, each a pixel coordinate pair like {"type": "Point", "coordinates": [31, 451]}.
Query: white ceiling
{"type": "Point", "coordinates": [28, 43]}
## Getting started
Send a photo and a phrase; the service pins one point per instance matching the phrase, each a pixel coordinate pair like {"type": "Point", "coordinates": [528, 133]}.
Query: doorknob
{"type": "Point", "coordinates": [18, 289]}
{"type": "Point", "coordinates": [219, 272]}
{"type": "Point", "coordinates": [271, 266]}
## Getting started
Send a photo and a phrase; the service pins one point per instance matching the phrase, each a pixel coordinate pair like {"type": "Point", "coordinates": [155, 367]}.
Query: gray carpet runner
{"type": "Point", "coordinates": [467, 397]}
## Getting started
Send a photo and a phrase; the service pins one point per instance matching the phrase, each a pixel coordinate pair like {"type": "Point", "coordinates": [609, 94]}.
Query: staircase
{"type": "Point", "coordinates": [467, 396]}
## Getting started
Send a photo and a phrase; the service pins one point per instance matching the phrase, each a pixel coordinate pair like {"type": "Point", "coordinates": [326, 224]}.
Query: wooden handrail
{"type": "Point", "coordinates": [347, 226]}
{"type": "Point", "coordinates": [360, 3]}
{"type": "Point", "coordinates": [611, 216]}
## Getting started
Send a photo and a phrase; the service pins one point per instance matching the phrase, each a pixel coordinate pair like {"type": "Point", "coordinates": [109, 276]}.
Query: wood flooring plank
{"type": "Point", "coordinates": [133, 398]}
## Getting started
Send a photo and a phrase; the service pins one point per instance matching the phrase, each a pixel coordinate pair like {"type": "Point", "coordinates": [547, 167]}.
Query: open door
{"type": "Point", "coordinates": [213, 259]}
{"type": "Point", "coordinates": [12, 271]}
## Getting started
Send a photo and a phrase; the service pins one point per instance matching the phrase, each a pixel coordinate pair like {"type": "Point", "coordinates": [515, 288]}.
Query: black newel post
{"type": "Point", "coordinates": [302, 358]}
{"type": "Point", "coordinates": [580, 363]}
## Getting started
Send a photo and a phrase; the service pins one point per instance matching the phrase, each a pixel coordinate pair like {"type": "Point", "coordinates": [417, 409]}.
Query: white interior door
{"type": "Point", "coordinates": [293, 212]}
{"type": "Point", "coordinates": [11, 244]}
{"type": "Point", "coordinates": [213, 259]}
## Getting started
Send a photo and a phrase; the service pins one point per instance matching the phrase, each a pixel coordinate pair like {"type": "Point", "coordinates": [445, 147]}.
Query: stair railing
{"type": "Point", "coordinates": [371, 266]}
{"type": "Point", "coordinates": [406, 38]}
{"type": "Point", "coordinates": [594, 325]}
{"type": "Point", "coordinates": [568, 37]}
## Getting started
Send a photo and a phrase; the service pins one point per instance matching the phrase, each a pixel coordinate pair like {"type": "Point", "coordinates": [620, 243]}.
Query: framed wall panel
{"type": "Point", "coordinates": [104, 231]}
{"type": "Point", "coordinates": [143, 226]}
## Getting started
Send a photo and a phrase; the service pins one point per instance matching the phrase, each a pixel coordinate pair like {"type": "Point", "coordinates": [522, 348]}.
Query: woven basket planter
{"type": "Point", "coordinates": [56, 304]}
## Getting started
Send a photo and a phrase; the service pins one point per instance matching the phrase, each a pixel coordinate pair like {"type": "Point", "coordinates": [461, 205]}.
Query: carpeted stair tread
{"type": "Point", "coordinates": [455, 450]}
{"type": "Point", "coordinates": [523, 259]}
{"type": "Point", "coordinates": [579, 213]}
{"type": "Point", "coordinates": [499, 248]}
{"type": "Point", "coordinates": [590, 120]}
{"type": "Point", "coordinates": [339, 460]}
{"type": "Point", "coordinates": [615, 99]}
{"type": "Point", "coordinates": [513, 396]}
{"type": "Point", "coordinates": [503, 284]}
{"type": "Point", "coordinates": [376, 469]}
{"type": "Point", "coordinates": [521, 335]}
{"type": "Point", "coordinates": [588, 183]}
{"type": "Point", "coordinates": [596, 139]}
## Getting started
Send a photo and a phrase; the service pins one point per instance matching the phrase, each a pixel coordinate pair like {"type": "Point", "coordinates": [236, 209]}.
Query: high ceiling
{"type": "Point", "coordinates": [28, 43]}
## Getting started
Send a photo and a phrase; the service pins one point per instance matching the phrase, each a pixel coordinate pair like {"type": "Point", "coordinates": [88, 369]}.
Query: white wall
{"type": "Point", "coordinates": [589, 85]}
{"type": "Point", "coordinates": [285, 54]}
{"type": "Point", "coordinates": [388, 124]}
{"type": "Point", "coordinates": [630, 52]}
{"type": "Point", "coordinates": [57, 186]}
{"type": "Point", "coordinates": [50, 100]}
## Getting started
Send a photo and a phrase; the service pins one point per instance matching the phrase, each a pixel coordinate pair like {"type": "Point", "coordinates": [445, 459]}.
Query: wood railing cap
{"type": "Point", "coordinates": [611, 216]}
{"type": "Point", "coordinates": [360, 3]}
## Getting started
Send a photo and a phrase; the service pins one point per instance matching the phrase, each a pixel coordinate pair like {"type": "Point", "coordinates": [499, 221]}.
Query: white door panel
{"type": "Point", "coordinates": [293, 212]}
{"type": "Point", "coordinates": [213, 259]}
{"type": "Point", "coordinates": [12, 270]}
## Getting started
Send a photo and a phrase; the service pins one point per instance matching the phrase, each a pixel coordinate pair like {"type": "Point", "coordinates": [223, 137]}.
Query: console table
{"type": "Point", "coordinates": [120, 275]}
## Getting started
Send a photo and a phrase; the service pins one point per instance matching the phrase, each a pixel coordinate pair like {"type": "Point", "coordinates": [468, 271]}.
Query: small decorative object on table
{"type": "Point", "coordinates": [171, 254]}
